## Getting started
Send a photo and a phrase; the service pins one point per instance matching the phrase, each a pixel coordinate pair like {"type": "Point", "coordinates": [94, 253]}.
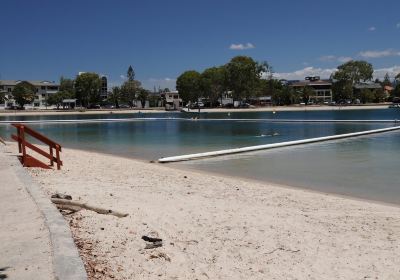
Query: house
{"type": "Point", "coordinates": [43, 90]}
{"type": "Point", "coordinates": [322, 88]}
{"type": "Point", "coordinates": [172, 101]}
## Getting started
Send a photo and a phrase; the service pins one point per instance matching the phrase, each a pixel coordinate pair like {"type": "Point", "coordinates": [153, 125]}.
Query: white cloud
{"type": "Point", "coordinates": [379, 54]}
{"type": "Point", "coordinates": [344, 59]}
{"type": "Point", "coordinates": [241, 46]}
{"type": "Point", "coordinates": [307, 71]}
{"type": "Point", "coordinates": [122, 77]}
{"type": "Point", "coordinates": [328, 58]}
{"type": "Point", "coordinates": [372, 28]}
{"type": "Point", "coordinates": [333, 58]}
{"type": "Point", "coordinates": [392, 71]}
{"type": "Point", "coordinates": [398, 25]}
{"type": "Point", "coordinates": [325, 73]}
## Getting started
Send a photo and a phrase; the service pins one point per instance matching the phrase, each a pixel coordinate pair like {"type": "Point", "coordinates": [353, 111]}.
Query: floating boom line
{"type": "Point", "coordinates": [274, 145]}
{"type": "Point", "coordinates": [115, 120]}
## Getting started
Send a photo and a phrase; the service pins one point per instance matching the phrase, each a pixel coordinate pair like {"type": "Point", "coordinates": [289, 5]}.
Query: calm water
{"type": "Point", "coordinates": [365, 167]}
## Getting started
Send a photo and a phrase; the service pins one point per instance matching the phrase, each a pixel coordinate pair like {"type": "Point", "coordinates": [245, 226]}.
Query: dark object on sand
{"type": "Point", "coordinates": [62, 196]}
{"type": "Point", "coordinates": [151, 239]}
{"type": "Point", "coordinates": [153, 242]}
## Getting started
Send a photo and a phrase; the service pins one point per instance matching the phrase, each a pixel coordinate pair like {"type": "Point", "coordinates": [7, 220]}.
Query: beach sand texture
{"type": "Point", "coordinates": [216, 227]}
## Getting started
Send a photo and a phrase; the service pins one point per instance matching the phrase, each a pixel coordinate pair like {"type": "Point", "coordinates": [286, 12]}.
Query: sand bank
{"type": "Point", "coordinates": [215, 227]}
{"type": "Point", "coordinates": [214, 110]}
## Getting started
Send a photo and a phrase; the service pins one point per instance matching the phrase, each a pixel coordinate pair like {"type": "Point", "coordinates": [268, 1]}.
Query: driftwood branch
{"type": "Point", "coordinates": [64, 203]}
{"type": "Point", "coordinates": [2, 141]}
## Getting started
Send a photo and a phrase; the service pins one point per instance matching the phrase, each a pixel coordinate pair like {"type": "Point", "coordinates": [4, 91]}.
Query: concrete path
{"type": "Point", "coordinates": [35, 240]}
{"type": "Point", "coordinates": [24, 238]}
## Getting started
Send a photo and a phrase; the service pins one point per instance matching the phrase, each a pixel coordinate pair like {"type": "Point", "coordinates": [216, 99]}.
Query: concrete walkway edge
{"type": "Point", "coordinates": [67, 263]}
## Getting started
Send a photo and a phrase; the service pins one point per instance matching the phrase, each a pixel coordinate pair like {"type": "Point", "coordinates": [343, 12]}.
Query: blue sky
{"type": "Point", "coordinates": [161, 39]}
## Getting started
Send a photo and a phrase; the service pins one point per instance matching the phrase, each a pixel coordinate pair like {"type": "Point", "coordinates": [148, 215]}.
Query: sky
{"type": "Point", "coordinates": [47, 39]}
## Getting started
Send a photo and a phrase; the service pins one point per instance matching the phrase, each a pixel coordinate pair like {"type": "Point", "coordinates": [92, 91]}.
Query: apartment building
{"type": "Point", "coordinates": [43, 90]}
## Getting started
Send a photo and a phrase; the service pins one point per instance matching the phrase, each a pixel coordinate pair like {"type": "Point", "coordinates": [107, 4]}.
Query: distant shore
{"type": "Point", "coordinates": [215, 227]}
{"type": "Point", "coordinates": [207, 110]}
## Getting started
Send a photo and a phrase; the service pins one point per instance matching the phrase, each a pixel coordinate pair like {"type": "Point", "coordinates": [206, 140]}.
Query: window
{"type": "Point", "coordinates": [43, 95]}
{"type": "Point", "coordinates": [9, 89]}
{"type": "Point", "coordinates": [43, 87]}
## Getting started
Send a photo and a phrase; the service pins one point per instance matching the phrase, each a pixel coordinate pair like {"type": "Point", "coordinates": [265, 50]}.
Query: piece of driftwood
{"type": "Point", "coordinates": [2, 141]}
{"type": "Point", "coordinates": [62, 196]}
{"type": "Point", "coordinates": [59, 201]}
{"type": "Point", "coordinates": [153, 245]}
{"type": "Point", "coordinates": [72, 209]}
{"type": "Point", "coordinates": [152, 242]}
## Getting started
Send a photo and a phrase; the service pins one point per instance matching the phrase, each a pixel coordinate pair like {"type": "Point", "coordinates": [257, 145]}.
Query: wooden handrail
{"type": "Point", "coordinates": [28, 160]}
{"type": "Point", "coordinates": [37, 135]}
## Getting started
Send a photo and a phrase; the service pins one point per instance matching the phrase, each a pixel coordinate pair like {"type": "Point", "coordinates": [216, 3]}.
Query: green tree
{"type": "Point", "coordinates": [154, 100]}
{"type": "Point", "coordinates": [306, 92]}
{"type": "Point", "coordinates": [129, 91]}
{"type": "Point", "coordinates": [366, 95]}
{"type": "Point", "coordinates": [379, 95]}
{"type": "Point", "coordinates": [87, 88]}
{"type": "Point", "coordinates": [66, 91]}
{"type": "Point", "coordinates": [396, 90]}
{"type": "Point", "coordinates": [349, 74]}
{"type": "Point", "coordinates": [143, 94]}
{"type": "Point", "coordinates": [24, 93]}
{"type": "Point", "coordinates": [386, 80]}
{"type": "Point", "coordinates": [243, 74]}
{"type": "Point", "coordinates": [213, 83]}
{"type": "Point", "coordinates": [66, 85]}
{"type": "Point", "coordinates": [57, 98]}
{"type": "Point", "coordinates": [342, 90]}
{"type": "Point", "coordinates": [354, 71]}
{"type": "Point", "coordinates": [189, 86]}
{"type": "Point", "coordinates": [2, 97]}
{"type": "Point", "coordinates": [115, 96]}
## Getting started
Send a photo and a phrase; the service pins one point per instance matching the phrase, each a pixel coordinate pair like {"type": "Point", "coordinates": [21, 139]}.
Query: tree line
{"type": "Point", "coordinates": [242, 77]}
{"type": "Point", "coordinates": [245, 78]}
{"type": "Point", "coordinates": [86, 89]}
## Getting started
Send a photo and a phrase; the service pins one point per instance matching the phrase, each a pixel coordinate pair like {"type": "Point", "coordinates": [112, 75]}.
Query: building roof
{"type": "Point", "coordinates": [33, 82]}
{"type": "Point", "coordinates": [367, 86]}
{"type": "Point", "coordinates": [310, 83]}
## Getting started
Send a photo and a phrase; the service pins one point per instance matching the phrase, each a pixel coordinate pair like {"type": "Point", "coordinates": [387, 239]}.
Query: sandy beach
{"type": "Point", "coordinates": [213, 110]}
{"type": "Point", "coordinates": [214, 227]}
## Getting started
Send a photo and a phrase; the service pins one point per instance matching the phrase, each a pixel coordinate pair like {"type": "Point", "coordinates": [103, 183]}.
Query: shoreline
{"type": "Point", "coordinates": [50, 112]}
{"type": "Point", "coordinates": [221, 227]}
{"type": "Point", "coordinates": [178, 166]}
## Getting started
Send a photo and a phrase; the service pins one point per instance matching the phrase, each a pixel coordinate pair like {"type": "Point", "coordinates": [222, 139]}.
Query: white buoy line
{"type": "Point", "coordinates": [274, 145]}
{"type": "Point", "coordinates": [83, 121]}
{"type": "Point", "coordinates": [303, 121]}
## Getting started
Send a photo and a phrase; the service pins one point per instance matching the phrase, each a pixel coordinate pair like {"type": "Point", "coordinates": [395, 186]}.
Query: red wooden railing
{"type": "Point", "coordinates": [23, 144]}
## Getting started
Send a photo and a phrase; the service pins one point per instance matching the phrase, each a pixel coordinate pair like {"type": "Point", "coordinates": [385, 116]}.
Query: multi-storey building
{"type": "Point", "coordinates": [43, 90]}
{"type": "Point", "coordinates": [104, 88]}
{"type": "Point", "coordinates": [322, 88]}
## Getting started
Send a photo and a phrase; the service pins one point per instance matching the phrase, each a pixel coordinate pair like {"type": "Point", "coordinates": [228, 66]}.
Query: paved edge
{"type": "Point", "coordinates": [67, 264]}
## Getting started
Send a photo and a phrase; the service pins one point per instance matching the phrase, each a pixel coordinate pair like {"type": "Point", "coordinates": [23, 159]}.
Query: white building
{"type": "Point", "coordinates": [43, 90]}
{"type": "Point", "coordinates": [172, 100]}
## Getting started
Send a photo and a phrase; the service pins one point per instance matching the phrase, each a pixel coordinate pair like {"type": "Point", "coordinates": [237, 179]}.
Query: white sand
{"type": "Point", "coordinates": [216, 110]}
{"type": "Point", "coordinates": [221, 228]}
